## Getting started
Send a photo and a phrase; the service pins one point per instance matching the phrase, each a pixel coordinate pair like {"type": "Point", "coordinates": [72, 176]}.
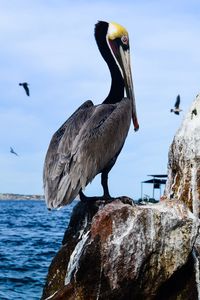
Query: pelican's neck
{"type": "Point", "coordinates": [117, 84]}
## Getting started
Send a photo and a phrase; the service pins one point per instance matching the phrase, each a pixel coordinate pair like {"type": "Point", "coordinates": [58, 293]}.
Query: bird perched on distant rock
{"type": "Point", "coordinates": [194, 112]}
{"type": "Point", "coordinates": [25, 86]}
{"type": "Point", "coordinates": [176, 108]}
{"type": "Point", "coordinates": [13, 152]}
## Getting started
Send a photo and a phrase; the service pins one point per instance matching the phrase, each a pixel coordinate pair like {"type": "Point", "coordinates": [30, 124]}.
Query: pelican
{"type": "Point", "coordinates": [25, 86]}
{"type": "Point", "coordinates": [89, 142]}
{"type": "Point", "coordinates": [176, 108]}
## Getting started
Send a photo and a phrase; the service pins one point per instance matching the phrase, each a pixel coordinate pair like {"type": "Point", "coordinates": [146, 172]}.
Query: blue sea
{"type": "Point", "coordinates": [30, 236]}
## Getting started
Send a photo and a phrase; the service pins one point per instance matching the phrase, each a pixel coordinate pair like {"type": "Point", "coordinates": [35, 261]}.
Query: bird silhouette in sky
{"type": "Point", "coordinates": [25, 86]}
{"type": "Point", "coordinates": [13, 152]}
{"type": "Point", "coordinates": [176, 108]}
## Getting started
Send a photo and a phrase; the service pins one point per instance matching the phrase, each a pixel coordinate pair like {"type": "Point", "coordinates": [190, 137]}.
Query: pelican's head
{"type": "Point", "coordinates": [118, 42]}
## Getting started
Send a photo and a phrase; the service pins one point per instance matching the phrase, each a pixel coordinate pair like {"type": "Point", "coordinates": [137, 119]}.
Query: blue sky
{"type": "Point", "coordinates": [50, 44]}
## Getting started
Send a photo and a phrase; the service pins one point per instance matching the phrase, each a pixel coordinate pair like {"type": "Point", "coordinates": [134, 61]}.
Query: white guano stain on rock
{"type": "Point", "coordinates": [197, 271]}
{"type": "Point", "coordinates": [75, 256]}
{"type": "Point", "coordinates": [50, 297]}
{"type": "Point", "coordinates": [194, 190]}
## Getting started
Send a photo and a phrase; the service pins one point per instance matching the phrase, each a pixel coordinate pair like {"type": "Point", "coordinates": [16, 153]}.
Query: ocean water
{"type": "Point", "coordinates": [30, 235]}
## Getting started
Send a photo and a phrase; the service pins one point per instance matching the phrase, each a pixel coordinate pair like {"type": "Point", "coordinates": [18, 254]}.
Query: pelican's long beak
{"type": "Point", "coordinates": [124, 61]}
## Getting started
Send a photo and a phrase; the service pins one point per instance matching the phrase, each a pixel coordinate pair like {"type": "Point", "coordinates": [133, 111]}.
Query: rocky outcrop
{"type": "Point", "coordinates": [122, 251]}
{"type": "Point", "coordinates": [184, 161]}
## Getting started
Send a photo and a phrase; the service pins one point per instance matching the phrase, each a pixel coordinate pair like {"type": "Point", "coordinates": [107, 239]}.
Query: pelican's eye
{"type": "Point", "coordinates": [124, 39]}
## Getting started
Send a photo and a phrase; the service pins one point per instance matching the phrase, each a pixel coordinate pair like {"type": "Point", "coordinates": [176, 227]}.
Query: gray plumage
{"type": "Point", "coordinates": [82, 147]}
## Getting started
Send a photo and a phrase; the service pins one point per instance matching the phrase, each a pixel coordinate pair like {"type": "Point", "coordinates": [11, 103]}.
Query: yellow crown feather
{"type": "Point", "coordinates": [116, 31]}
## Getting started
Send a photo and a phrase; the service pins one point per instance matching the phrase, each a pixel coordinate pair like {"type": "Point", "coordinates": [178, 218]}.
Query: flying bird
{"type": "Point", "coordinates": [25, 86]}
{"type": "Point", "coordinates": [13, 152]}
{"type": "Point", "coordinates": [176, 108]}
{"type": "Point", "coordinates": [89, 142]}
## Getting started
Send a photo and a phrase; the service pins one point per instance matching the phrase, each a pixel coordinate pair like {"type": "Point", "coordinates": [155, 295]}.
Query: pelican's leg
{"type": "Point", "coordinates": [82, 196]}
{"type": "Point", "coordinates": [104, 182]}
{"type": "Point", "coordinates": [85, 198]}
{"type": "Point", "coordinates": [106, 194]}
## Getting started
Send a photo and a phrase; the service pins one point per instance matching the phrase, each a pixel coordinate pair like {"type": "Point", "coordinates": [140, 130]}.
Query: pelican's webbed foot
{"type": "Point", "coordinates": [84, 198]}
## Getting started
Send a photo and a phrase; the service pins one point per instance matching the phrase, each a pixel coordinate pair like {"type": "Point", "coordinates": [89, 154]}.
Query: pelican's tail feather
{"type": "Point", "coordinates": [67, 192]}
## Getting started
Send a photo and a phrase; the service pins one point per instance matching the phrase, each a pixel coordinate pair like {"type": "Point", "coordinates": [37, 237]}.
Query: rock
{"type": "Point", "coordinates": [121, 251]}
{"type": "Point", "coordinates": [184, 161]}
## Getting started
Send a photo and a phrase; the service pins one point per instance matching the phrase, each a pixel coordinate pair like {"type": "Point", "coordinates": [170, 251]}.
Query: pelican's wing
{"type": "Point", "coordinates": [59, 151]}
{"type": "Point", "coordinates": [97, 143]}
{"type": "Point", "coordinates": [177, 103]}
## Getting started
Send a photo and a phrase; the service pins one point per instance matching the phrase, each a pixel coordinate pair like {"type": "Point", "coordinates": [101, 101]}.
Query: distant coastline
{"type": "Point", "coordinates": [10, 196]}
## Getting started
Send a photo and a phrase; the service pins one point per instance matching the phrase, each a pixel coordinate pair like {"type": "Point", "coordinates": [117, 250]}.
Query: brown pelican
{"type": "Point", "coordinates": [176, 108]}
{"type": "Point", "coordinates": [25, 86]}
{"type": "Point", "coordinates": [89, 142]}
